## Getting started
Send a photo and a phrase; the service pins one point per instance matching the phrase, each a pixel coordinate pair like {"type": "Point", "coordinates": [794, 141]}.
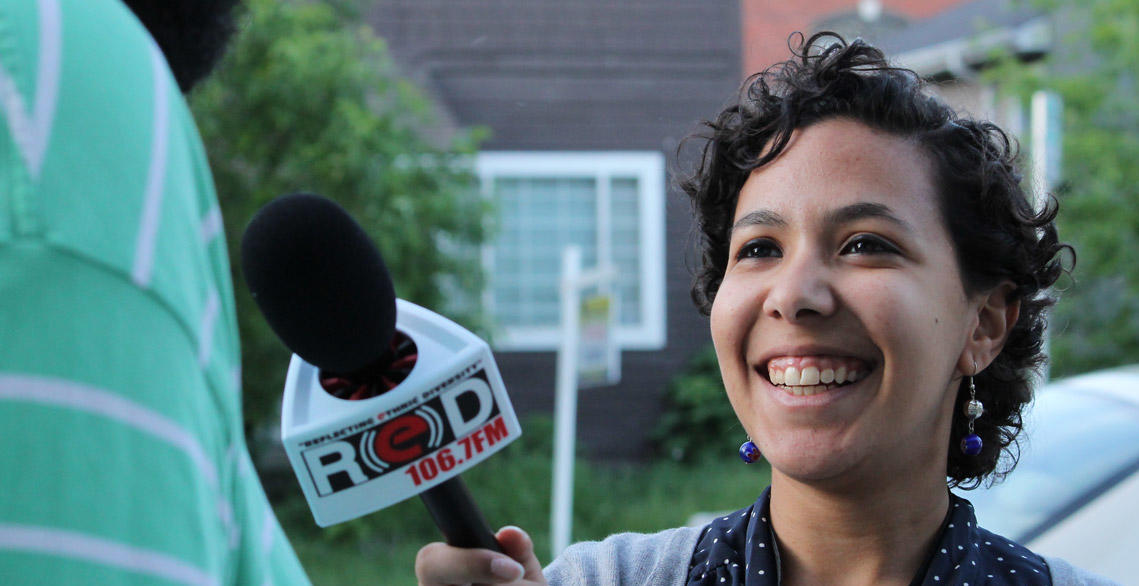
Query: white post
{"type": "Point", "coordinates": [1046, 143]}
{"type": "Point", "coordinates": [565, 403]}
{"type": "Point", "coordinates": [1047, 126]}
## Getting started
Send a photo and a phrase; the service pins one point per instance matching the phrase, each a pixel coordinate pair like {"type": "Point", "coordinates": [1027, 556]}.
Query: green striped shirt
{"type": "Point", "coordinates": [122, 459]}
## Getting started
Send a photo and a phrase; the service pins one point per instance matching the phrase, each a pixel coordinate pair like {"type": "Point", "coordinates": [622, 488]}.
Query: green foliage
{"type": "Point", "coordinates": [307, 99]}
{"type": "Point", "coordinates": [513, 488]}
{"type": "Point", "coordinates": [698, 421]}
{"type": "Point", "coordinates": [1095, 70]}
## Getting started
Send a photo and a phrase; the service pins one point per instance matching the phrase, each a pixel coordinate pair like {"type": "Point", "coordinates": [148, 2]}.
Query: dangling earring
{"type": "Point", "coordinates": [971, 444]}
{"type": "Point", "coordinates": [749, 452]}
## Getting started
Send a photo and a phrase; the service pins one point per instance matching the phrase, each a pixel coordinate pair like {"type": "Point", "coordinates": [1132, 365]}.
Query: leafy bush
{"type": "Point", "coordinates": [698, 421]}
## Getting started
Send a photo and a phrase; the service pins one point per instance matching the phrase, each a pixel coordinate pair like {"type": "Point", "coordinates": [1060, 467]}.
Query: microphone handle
{"type": "Point", "coordinates": [457, 516]}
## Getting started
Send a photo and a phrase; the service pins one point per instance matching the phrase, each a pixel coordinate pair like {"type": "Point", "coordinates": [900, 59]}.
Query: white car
{"type": "Point", "coordinates": [1075, 491]}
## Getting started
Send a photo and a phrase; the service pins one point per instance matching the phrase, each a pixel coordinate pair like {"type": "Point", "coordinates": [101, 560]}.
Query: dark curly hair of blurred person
{"type": "Point", "coordinates": [995, 230]}
{"type": "Point", "coordinates": [193, 34]}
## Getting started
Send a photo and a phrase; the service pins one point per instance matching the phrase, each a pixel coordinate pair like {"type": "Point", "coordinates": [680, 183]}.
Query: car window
{"type": "Point", "coordinates": [1075, 441]}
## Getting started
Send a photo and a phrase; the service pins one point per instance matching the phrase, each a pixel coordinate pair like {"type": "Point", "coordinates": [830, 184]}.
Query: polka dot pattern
{"type": "Point", "coordinates": [734, 549]}
{"type": "Point", "coordinates": [740, 549]}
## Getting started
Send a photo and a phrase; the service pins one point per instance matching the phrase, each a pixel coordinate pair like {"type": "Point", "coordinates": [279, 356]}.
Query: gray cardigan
{"type": "Point", "coordinates": [661, 559]}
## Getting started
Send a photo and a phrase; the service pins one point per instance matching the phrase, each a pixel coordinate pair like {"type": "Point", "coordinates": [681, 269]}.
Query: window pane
{"type": "Point", "coordinates": [539, 216]}
{"type": "Point", "coordinates": [624, 201]}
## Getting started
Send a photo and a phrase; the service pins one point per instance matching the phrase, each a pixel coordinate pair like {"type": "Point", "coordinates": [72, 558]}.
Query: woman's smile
{"type": "Point", "coordinates": [811, 375]}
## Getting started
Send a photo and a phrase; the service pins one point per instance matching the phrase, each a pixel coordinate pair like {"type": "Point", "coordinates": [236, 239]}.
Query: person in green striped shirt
{"type": "Point", "coordinates": [122, 456]}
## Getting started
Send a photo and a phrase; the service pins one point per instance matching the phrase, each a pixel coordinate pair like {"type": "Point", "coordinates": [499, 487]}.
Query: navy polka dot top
{"type": "Point", "coordinates": [740, 549]}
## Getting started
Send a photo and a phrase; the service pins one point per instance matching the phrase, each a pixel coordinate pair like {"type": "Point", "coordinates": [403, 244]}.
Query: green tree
{"type": "Point", "coordinates": [1094, 67]}
{"type": "Point", "coordinates": [307, 99]}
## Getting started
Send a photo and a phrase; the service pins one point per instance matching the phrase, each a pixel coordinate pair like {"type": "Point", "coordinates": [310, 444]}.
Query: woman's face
{"type": "Point", "coordinates": [840, 268]}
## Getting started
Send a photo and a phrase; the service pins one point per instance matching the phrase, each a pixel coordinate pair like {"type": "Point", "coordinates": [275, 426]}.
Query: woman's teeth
{"type": "Point", "coordinates": [809, 379]}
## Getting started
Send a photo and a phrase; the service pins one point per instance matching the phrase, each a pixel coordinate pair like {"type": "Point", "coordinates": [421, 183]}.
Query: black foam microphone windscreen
{"type": "Point", "coordinates": [320, 282]}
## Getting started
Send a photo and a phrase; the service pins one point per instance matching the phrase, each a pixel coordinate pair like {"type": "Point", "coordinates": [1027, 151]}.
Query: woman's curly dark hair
{"type": "Point", "coordinates": [193, 34]}
{"type": "Point", "coordinates": [996, 232]}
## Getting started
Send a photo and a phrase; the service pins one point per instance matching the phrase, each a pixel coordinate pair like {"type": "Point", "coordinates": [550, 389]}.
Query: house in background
{"type": "Point", "coordinates": [949, 42]}
{"type": "Point", "coordinates": [952, 48]}
{"type": "Point", "coordinates": [767, 24]}
{"type": "Point", "coordinates": [955, 46]}
{"type": "Point", "coordinates": [586, 102]}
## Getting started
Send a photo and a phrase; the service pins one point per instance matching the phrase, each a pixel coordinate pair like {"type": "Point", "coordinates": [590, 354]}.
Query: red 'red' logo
{"type": "Point", "coordinates": [402, 439]}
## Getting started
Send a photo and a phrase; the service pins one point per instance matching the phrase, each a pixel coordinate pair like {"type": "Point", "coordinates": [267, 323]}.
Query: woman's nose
{"type": "Point", "coordinates": [802, 288]}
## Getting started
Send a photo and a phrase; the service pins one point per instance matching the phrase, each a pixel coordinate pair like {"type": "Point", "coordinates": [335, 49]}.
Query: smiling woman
{"type": "Point", "coordinates": [865, 126]}
{"type": "Point", "coordinates": [851, 265]}
{"type": "Point", "coordinates": [876, 280]}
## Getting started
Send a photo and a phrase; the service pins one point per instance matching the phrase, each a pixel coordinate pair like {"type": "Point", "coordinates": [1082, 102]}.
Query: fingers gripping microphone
{"type": "Point", "coordinates": [383, 399]}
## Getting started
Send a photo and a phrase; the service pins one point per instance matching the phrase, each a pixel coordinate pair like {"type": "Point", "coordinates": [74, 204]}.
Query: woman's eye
{"type": "Point", "coordinates": [867, 244]}
{"type": "Point", "coordinates": [761, 248]}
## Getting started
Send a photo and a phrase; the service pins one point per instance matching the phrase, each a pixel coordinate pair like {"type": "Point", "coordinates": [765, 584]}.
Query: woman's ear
{"type": "Point", "coordinates": [997, 312]}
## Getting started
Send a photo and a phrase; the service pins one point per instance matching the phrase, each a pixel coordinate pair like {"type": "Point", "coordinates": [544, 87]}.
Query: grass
{"type": "Point", "coordinates": [513, 488]}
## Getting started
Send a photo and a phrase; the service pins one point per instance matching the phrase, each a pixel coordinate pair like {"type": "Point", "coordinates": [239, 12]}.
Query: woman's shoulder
{"type": "Point", "coordinates": [627, 558]}
{"type": "Point", "coordinates": [1065, 574]}
{"type": "Point", "coordinates": [663, 558]}
{"type": "Point", "coordinates": [1059, 570]}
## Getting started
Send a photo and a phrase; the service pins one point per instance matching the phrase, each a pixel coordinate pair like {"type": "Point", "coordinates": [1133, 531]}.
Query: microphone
{"type": "Point", "coordinates": [383, 399]}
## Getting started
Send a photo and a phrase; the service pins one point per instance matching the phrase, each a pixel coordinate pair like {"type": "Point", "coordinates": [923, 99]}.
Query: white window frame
{"type": "Point", "coordinates": [647, 167]}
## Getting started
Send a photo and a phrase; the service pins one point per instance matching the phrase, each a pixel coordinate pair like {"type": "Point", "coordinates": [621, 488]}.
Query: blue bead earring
{"type": "Point", "coordinates": [749, 452]}
{"type": "Point", "coordinates": [971, 444]}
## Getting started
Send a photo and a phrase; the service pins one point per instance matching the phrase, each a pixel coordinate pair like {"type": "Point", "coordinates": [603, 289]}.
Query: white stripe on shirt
{"type": "Point", "coordinates": [268, 523]}
{"type": "Point", "coordinates": [73, 395]}
{"type": "Point", "coordinates": [47, 78]}
{"type": "Point", "coordinates": [225, 512]}
{"type": "Point", "coordinates": [235, 378]}
{"type": "Point", "coordinates": [155, 175]}
{"type": "Point", "coordinates": [206, 328]}
{"type": "Point", "coordinates": [211, 226]}
{"type": "Point", "coordinates": [31, 131]}
{"type": "Point", "coordinates": [69, 394]}
{"type": "Point", "coordinates": [74, 545]}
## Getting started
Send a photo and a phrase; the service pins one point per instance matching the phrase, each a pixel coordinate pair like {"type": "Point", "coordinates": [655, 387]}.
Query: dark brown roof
{"type": "Point", "coordinates": [569, 74]}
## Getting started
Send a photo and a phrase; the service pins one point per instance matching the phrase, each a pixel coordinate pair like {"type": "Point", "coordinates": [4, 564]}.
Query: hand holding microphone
{"type": "Point", "coordinates": [439, 564]}
{"type": "Point", "coordinates": [383, 399]}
